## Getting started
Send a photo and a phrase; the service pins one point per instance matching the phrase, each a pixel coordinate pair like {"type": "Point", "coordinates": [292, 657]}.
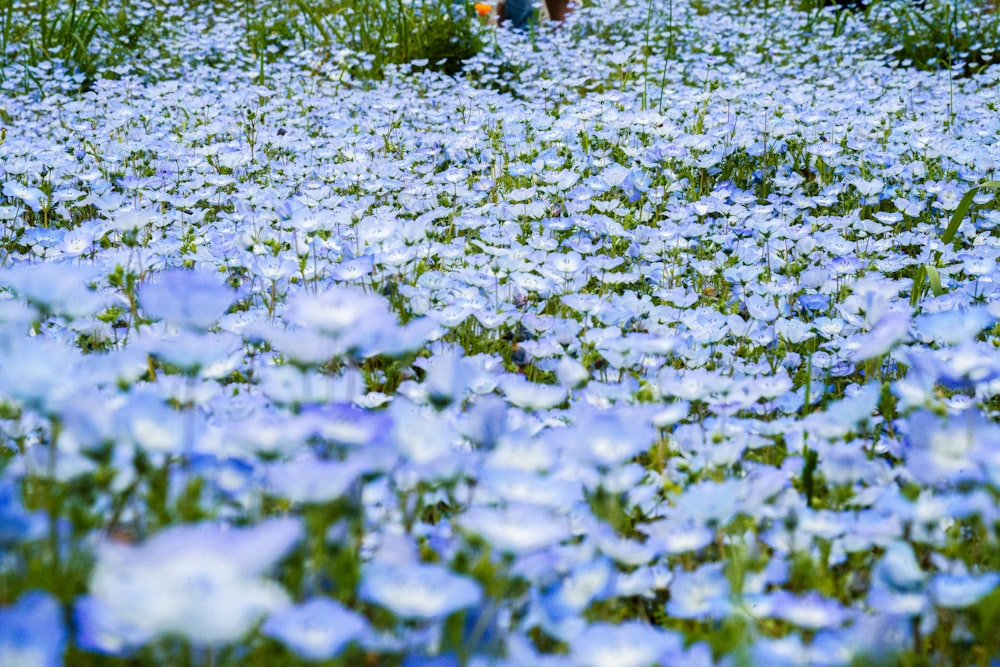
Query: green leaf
{"type": "Point", "coordinates": [963, 209]}
{"type": "Point", "coordinates": [809, 475]}
{"type": "Point", "coordinates": [918, 286]}
{"type": "Point", "coordinates": [930, 273]}
{"type": "Point", "coordinates": [934, 280]}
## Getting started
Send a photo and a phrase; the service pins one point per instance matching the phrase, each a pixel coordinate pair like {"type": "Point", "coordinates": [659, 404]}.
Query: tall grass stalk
{"type": "Point", "coordinates": [928, 276]}
{"type": "Point", "coordinates": [83, 36]}
{"type": "Point", "coordinates": [671, 53]}
{"type": "Point", "coordinates": [396, 32]}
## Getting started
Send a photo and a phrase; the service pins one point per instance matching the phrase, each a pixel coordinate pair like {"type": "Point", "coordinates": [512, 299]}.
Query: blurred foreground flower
{"type": "Point", "coordinates": [317, 629]}
{"type": "Point", "coordinates": [202, 582]}
{"type": "Point", "coordinates": [956, 591]}
{"type": "Point", "coordinates": [630, 644]}
{"type": "Point", "coordinates": [32, 632]}
{"type": "Point", "coordinates": [189, 299]}
{"type": "Point", "coordinates": [418, 590]}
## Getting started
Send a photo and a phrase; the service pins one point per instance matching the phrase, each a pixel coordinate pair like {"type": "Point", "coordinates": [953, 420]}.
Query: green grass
{"type": "Point", "coordinates": [429, 34]}
{"type": "Point", "coordinates": [89, 38]}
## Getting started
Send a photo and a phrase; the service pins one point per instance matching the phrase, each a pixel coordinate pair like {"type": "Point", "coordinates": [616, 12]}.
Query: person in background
{"type": "Point", "coordinates": [518, 14]}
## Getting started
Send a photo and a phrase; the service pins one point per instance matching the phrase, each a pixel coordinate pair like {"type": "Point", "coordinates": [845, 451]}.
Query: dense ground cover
{"type": "Point", "coordinates": [642, 341]}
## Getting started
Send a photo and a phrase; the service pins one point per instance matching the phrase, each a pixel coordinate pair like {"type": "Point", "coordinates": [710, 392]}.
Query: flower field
{"type": "Point", "coordinates": [669, 336]}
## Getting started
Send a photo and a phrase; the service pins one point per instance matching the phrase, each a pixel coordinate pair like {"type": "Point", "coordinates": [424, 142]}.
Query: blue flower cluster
{"type": "Point", "coordinates": [601, 353]}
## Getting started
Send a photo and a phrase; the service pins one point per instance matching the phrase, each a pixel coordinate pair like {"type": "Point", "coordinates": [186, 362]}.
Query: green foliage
{"type": "Point", "coordinates": [818, 11]}
{"type": "Point", "coordinates": [937, 34]}
{"type": "Point", "coordinates": [928, 275]}
{"type": "Point", "coordinates": [429, 34]}
{"type": "Point", "coordinates": [89, 38]}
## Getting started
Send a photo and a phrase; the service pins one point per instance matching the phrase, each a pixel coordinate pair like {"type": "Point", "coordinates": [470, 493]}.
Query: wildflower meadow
{"type": "Point", "coordinates": [364, 333]}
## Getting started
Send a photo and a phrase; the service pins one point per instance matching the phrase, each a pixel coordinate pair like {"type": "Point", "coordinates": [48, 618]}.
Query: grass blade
{"type": "Point", "coordinates": [934, 280]}
{"type": "Point", "coordinates": [918, 286]}
{"type": "Point", "coordinates": [963, 209]}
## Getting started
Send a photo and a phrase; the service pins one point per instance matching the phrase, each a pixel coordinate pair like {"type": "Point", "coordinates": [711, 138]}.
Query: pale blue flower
{"type": "Point", "coordinates": [35, 371]}
{"type": "Point", "coordinates": [317, 629]}
{"type": "Point", "coordinates": [899, 570]}
{"type": "Point", "coordinates": [485, 422]}
{"type": "Point", "coordinates": [63, 289]}
{"type": "Point", "coordinates": [530, 395]}
{"type": "Point", "coordinates": [204, 582]}
{"type": "Point", "coordinates": [702, 593]}
{"type": "Point", "coordinates": [518, 486]}
{"type": "Point", "coordinates": [947, 449]}
{"type": "Point", "coordinates": [519, 528]}
{"type": "Point", "coordinates": [677, 537]}
{"type": "Point", "coordinates": [33, 197]}
{"type": "Point", "coordinates": [32, 633]}
{"type": "Point", "coordinates": [418, 590]}
{"type": "Point", "coordinates": [889, 330]}
{"type": "Point", "coordinates": [102, 630]}
{"type": "Point", "coordinates": [450, 377]}
{"type": "Point", "coordinates": [209, 355]}
{"type": "Point", "coordinates": [628, 552]}
{"type": "Point", "coordinates": [953, 326]}
{"type": "Point", "coordinates": [184, 298]}
{"type": "Point", "coordinates": [712, 503]}
{"type": "Point", "coordinates": [146, 421]}
{"type": "Point", "coordinates": [571, 373]}
{"type": "Point", "coordinates": [312, 480]}
{"type": "Point", "coordinates": [17, 525]}
{"type": "Point", "coordinates": [628, 644]}
{"type": "Point", "coordinates": [957, 591]}
{"type": "Point", "coordinates": [609, 438]}
{"type": "Point", "coordinates": [811, 611]}
{"type": "Point", "coordinates": [585, 583]}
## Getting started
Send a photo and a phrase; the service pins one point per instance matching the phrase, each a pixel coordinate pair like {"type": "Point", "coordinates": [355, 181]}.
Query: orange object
{"type": "Point", "coordinates": [483, 8]}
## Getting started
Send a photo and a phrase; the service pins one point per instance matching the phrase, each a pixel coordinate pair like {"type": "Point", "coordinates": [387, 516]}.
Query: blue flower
{"type": "Point", "coordinates": [811, 611]}
{"type": "Point", "coordinates": [703, 593]}
{"type": "Point", "coordinates": [843, 415]}
{"type": "Point", "coordinates": [211, 355]}
{"type": "Point", "coordinates": [948, 450]}
{"type": "Point", "coordinates": [101, 630]}
{"type": "Point", "coordinates": [628, 644]}
{"type": "Point", "coordinates": [586, 583]}
{"type": "Point", "coordinates": [446, 660]}
{"type": "Point", "coordinates": [35, 371]}
{"type": "Point", "coordinates": [530, 395]}
{"type": "Point", "coordinates": [360, 324]}
{"type": "Point", "coordinates": [32, 633]}
{"type": "Point", "coordinates": [449, 377]}
{"type": "Point", "coordinates": [312, 480]}
{"type": "Point", "coordinates": [712, 502]}
{"type": "Point", "coordinates": [888, 330]}
{"type": "Point", "coordinates": [520, 528]}
{"type": "Point", "coordinates": [953, 326]}
{"type": "Point", "coordinates": [679, 536]}
{"type": "Point", "coordinates": [899, 570]}
{"type": "Point", "coordinates": [54, 288]}
{"type": "Point", "coordinates": [190, 299]}
{"type": "Point", "coordinates": [485, 422]}
{"type": "Point", "coordinates": [967, 365]}
{"type": "Point", "coordinates": [16, 523]}
{"type": "Point", "coordinates": [418, 590]}
{"type": "Point", "coordinates": [203, 582]}
{"type": "Point", "coordinates": [30, 195]}
{"type": "Point", "coordinates": [957, 591]}
{"type": "Point", "coordinates": [317, 629]}
{"type": "Point", "coordinates": [607, 438]}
